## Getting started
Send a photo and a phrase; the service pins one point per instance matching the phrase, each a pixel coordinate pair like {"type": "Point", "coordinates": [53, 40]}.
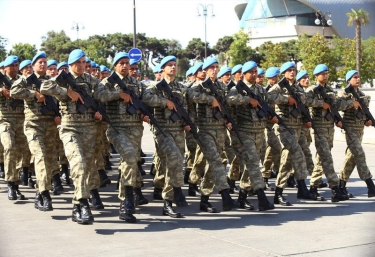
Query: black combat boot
{"type": "Point", "coordinates": [65, 178]}
{"type": "Point", "coordinates": [76, 215]}
{"type": "Point", "coordinates": [86, 215]}
{"type": "Point", "coordinates": [370, 187]}
{"type": "Point", "coordinates": [168, 210]}
{"type": "Point", "coordinates": [314, 191]}
{"type": "Point", "coordinates": [139, 199]}
{"type": "Point", "coordinates": [279, 198]}
{"type": "Point", "coordinates": [186, 176]}
{"type": "Point", "coordinates": [337, 195]}
{"type": "Point", "coordinates": [20, 196]}
{"type": "Point", "coordinates": [344, 190]}
{"type": "Point", "coordinates": [141, 170]}
{"type": "Point", "coordinates": [291, 182]}
{"type": "Point", "coordinates": [95, 201]}
{"type": "Point", "coordinates": [2, 170]}
{"type": "Point", "coordinates": [57, 186]}
{"type": "Point", "coordinates": [228, 202]}
{"type": "Point", "coordinates": [233, 188]}
{"type": "Point", "coordinates": [158, 193]}
{"type": "Point", "coordinates": [31, 182]}
{"type": "Point", "coordinates": [193, 190]}
{"type": "Point", "coordinates": [104, 180]}
{"type": "Point", "coordinates": [112, 150]}
{"type": "Point", "coordinates": [205, 205]}
{"type": "Point", "coordinates": [303, 192]}
{"type": "Point", "coordinates": [24, 176]}
{"type": "Point", "coordinates": [108, 164]}
{"type": "Point", "coordinates": [127, 207]}
{"type": "Point", "coordinates": [178, 197]}
{"type": "Point", "coordinates": [12, 194]}
{"type": "Point", "coordinates": [273, 174]}
{"type": "Point", "coordinates": [267, 185]}
{"type": "Point", "coordinates": [38, 201]}
{"type": "Point", "coordinates": [263, 203]}
{"type": "Point", "coordinates": [322, 184]}
{"type": "Point", "coordinates": [244, 203]}
{"type": "Point", "coordinates": [47, 201]}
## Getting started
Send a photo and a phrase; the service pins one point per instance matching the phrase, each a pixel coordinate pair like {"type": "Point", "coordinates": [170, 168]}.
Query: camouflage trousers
{"type": "Point", "coordinates": [26, 156]}
{"type": "Point", "coordinates": [354, 155]}
{"type": "Point", "coordinates": [191, 148]}
{"type": "Point", "coordinates": [304, 141]}
{"type": "Point", "coordinates": [14, 142]}
{"type": "Point", "coordinates": [79, 143]}
{"type": "Point", "coordinates": [159, 178]}
{"type": "Point", "coordinates": [292, 156]}
{"type": "Point", "coordinates": [249, 155]}
{"type": "Point", "coordinates": [199, 166]}
{"type": "Point", "coordinates": [235, 168]}
{"type": "Point", "coordinates": [55, 164]}
{"type": "Point", "coordinates": [100, 146]}
{"type": "Point", "coordinates": [128, 144]}
{"type": "Point", "coordinates": [41, 139]}
{"type": "Point", "coordinates": [171, 152]}
{"type": "Point", "coordinates": [272, 153]}
{"type": "Point", "coordinates": [1, 155]}
{"type": "Point", "coordinates": [60, 151]}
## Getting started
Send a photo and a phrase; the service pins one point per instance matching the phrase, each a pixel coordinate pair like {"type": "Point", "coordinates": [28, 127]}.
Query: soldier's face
{"type": "Point", "coordinates": [260, 79]}
{"type": "Point", "coordinates": [52, 70]}
{"type": "Point", "coordinates": [79, 66]}
{"type": "Point", "coordinates": [88, 68]}
{"type": "Point", "coordinates": [212, 70]}
{"type": "Point", "coordinates": [40, 66]}
{"type": "Point", "coordinates": [134, 70]}
{"type": "Point", "coordinates": [12, 69]}
{"type": "Point", "coordinates": [272, 81]}
{"type": "Point", "coordinates": [192, 78]}
{"type": "Point", "coordinates": [322, 77]}
{"type": "Point", "coordinates": [64, 68]}
{"type": "Point", "coordinates": [238, 76]}
{"type": "Point", "coordinates": [170, 68]}
{"type": "Point", "coordinates": [122, 67]}
{"type": "Point", "coordinates": [27, 70]}
{"type": "Point", "coordinates": [158, 75]}
{"type": "Point", "coordinates": [104, 74]}
{"type": "Point", "coordinates": [355, 81]}
{"type": "Point", "coordinates": [226, 78]}
{"type": "Point", "coordinates": [251, 75]}
{"type": "Point", "coordinates": [290, 74]}
{"type": "Point", "coordinates": [305, 81]}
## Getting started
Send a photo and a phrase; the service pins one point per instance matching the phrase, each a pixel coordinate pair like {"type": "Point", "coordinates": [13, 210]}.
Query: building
{"type": "Point", "coordinates": [283, 20]}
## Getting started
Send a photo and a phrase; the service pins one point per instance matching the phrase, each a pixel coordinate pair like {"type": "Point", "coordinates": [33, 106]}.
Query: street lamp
{"type": "Point", "coordinates": [205, 9]}
{"type": "Point", "coordinates": [322, 18]}
{"type": "Point", "coordinates": [146, 54]}
{"type": "Point", "coordinates": [77, 26]}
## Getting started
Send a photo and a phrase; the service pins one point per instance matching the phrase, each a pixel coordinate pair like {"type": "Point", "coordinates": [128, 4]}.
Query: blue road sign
{"type": "Point", "coordinates": [135, 53]}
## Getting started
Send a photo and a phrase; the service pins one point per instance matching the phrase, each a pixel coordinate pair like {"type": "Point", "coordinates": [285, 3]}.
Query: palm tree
{"type": "Point", "coordinates": [359, 18]}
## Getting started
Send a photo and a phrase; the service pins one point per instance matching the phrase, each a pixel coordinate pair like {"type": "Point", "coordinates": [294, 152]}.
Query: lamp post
{"type": "Point", "coordinates": [205, 9]}
{"type": "Point", "coordinates": [321, 18]}
{"type": "Point", "coordinates": [134, 29]}
{"type": "Point", "coordinates": [77, 26]}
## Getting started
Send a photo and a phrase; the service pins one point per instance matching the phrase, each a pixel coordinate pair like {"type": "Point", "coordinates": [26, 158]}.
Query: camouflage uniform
{"type": "Point", "coordinates": [170, 148]}
{"type": "Point", "coordinates": [304, 141]}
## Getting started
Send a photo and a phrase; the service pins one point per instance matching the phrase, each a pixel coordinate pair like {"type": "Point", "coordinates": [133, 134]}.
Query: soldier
{"type": "Point", "coordinates": [25, 68]}
{"type": "Point", "coordinates": [89, 66]}
{"type": "Point", "coordinates": [291, 153]}
{"type": "Point", "coordinates": [251, 128]}
{"type": "Point", "coordinates": [354, 155]}
{"type": "Point", "coordinates": [260, 81]}
{"type": "Point", "coordinates": [104, 72]}
{"type": "Point", "coordinates": [51, 68]}
{"type": "Point", "coordinates": [63, 66]}
{"type": "Point", "coordinates": [323, 134]}
{"type": "Point", "coordinates": [212, 133]}
{"type": "Point", "coordinates": [170, 148]}
{"type": "Point", "coordinates": [95, 70]}
{"type": "Point", "coordinates": [158, 72]}
{"type": "Point", "coordinates": [39, 129]}
{"type": "Point", "coordinates": [12, 137]}
{"type": "Point", "coordinates": [77, 131]}
{"type": "Point", "coordinates": [134, 68]}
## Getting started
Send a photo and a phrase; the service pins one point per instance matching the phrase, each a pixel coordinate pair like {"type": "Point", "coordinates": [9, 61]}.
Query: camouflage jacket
{"type": "Point", "coordinates": [6, 111]}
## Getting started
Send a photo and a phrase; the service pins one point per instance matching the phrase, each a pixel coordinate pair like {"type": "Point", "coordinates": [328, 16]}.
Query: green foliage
{"type": "Point", "coordinates": [222, 47]}
{"type": "Point", "coordinates": [358, 16]}
{"type": "Point", "coordinates": [23, 51]}
{"type": "Point", "coordinates": [3, 44]}
{"type": "Point", "coordinates": [57, 45]}
{"type": "Point", "coordinates": [273, 54]}
{"type": "Point", "coordinates": [239, 51]}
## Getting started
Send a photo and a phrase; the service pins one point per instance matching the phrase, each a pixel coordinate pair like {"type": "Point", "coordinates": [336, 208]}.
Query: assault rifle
{"type": "Point", "coordinates": [266, 109]}
{"type": "Point", "coordinates": [13, 102]}
{"type": "Point", "coordinates": [137, 104]}
{"type": "Point", "coordinates": [364, 110]}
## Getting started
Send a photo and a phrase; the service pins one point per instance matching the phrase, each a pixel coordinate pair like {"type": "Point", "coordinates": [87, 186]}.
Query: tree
{"type": "Point", "coordinates": [3, 52]}
{"type": "Point", "coordinates": [58, 45]}
{"type": "Point", "coordinates": [239, 51]}
{"type": "Point", "coordinates": [195, 50]}
{"type": "Point", "coordinates": [222, 47]}
{"type": "Point", "coordinates": [23, 51]}
{"type": "Point", "coordinates": [359, 18]}
{"type": "Point", "coordinates": [273, 54]}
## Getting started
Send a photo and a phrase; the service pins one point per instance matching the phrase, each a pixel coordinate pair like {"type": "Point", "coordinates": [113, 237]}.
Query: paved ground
{"type": "Point", "coordinates": [304, 229]}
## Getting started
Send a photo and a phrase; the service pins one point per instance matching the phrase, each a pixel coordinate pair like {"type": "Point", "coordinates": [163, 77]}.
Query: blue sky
{"type": "Point", "coordinates": [27, 21]}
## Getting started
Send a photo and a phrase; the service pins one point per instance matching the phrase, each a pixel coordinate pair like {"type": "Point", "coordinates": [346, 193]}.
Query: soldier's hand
{"type": "Point", "coordinates": [215, 103]}
{"type": "Point", "coordinates": [274, 120]}
{"type": "Point", "coordinates": [74, 96]}
{"type": "Point", "coordinates": [339, 124]}
{"type": "Point", "coordinates": [292, 101]}
{"type": "Point", "coordinates": [254, 103]}
{"type": "Point", "coordinates": [98, 116]}
{"type": "Point", "coordinates": [187, 128]}
{"type": "Point", "coordinates": [57, 120]}
{"type": "Point", "coordinates": [368, 123]}
{"type": "Point", "coordinates": [145, 118]}
{"type": "Point", "coordinates": [356, 104]}
{"type": "Point", "coordinates": [326, 106]}
{"type": "Point", "coordinates": [40, 98]}
{"type": "Point", "coordinates": [307, 124]}
{"type": "Point", "coordinates": [170, 105]}
{"type": "Point", "coordinates": [126, 97]}
{"type": "Point", "coordinates": [6, 93]}
{"type": "Point", "coordinates": [229, 126]}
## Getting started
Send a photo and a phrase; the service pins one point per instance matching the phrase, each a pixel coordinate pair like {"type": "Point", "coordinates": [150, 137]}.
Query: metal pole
{"type": "Point", "coordinates": [77, 31]}
{"type": "Point", "coordinates": [205, 37]}
{"type": "Point", "coordinates": [135, 30]}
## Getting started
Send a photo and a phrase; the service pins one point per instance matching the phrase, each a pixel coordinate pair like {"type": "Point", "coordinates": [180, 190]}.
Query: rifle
{"type": "Point", "coordinates": [89, 102]}
{"type": "Point", "coordinates": [13, 102]}
{"type": "Point", "coordinates": [266, 109]}
{"type": "Point", "coordinates": [224, 110]}
{"type": "Point", "coordinates": [50, 103]}
{"type": "Point", "coordinates": [333, 114]}
{"type": "Point", "coordinates": [364, 110]}
{"type": "Point", "coordinates": [137, 104]}
{"type": "Point", "coordinates": [180, 112]}
{"type": "Point", "coordinates": [301, 108]}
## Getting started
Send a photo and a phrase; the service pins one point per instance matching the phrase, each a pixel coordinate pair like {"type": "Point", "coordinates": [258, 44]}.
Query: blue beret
{"type": "Point", "coordinates": [119, 56]}
{"type": "Point", "coordinates": [97, 65]}
{"type": "Point", "coordinates": [62, 64]}
{"type": "Point", "coordinates": [208, 62]}
{"type": "Point", "coordinates": [157, 68]}
{"type": "Point", "coordinates": [320, 68]}
{"type": "Point", "coordinates": [37, 56]}
{"type": "Point", "coordinates": [196, 67]}
{"type": "Point", "coordinates": [272, 72]}
{"type": "Point", "coordinates": [93, 64]}
{"type": "Point", "coordinates": [88, 59]}
{"type": "Point", "coordinates": [188, 72]}
{"type": "Point", "coordinates": [286, 66]}
{"type": "Point", "coordinates": [166, 60]}
{"type": "Point", "coordinates": [236, 68]}
{"type": "Point", "coordinates": [260, 71]}
{"type": "Point", "coordinates": [301, 74]}
{"type": "Point", "coordinates": [248, 66]}
{"type": "Point", "coordinates": [75, 55]}
{"type": "Point", "coordinates": [103, 68]}
{"type": "Point", "coordinates": [350, 74]}
{"type": "Point", "coordinates": [223, 71]}
{"type": "Point", "coordinates": [10, 60]}
{"type": "Point", "coordinates": [133, 61]}
{"type": "Point", "coordinates": [51, 62]}
{"type": "Point", "coordinates": [24, 63]}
